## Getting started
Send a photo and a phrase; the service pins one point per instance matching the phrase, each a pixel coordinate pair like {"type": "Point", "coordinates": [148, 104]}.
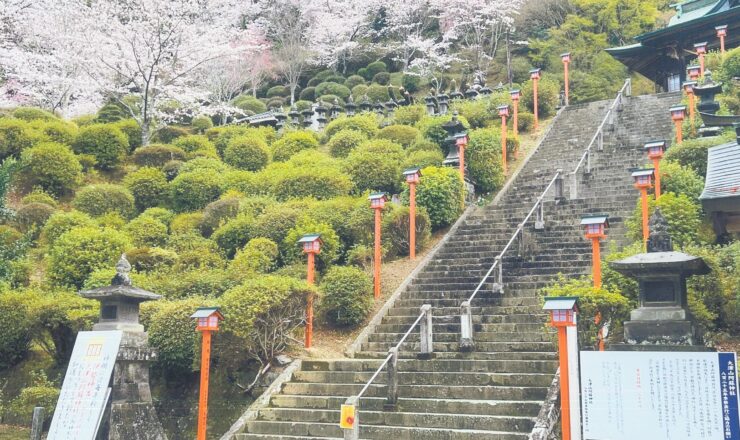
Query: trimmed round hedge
{"type": "Point", "coordinates": [247, 153]}
{"type": "Point", "coordinates": [156, 155]}
{"type": "Point", "coordinates": [441, 193]}
{"type": "Point", "coordinates": [106, 143]}
{"type": "Point", "coordinates": [98, 200]}
{"type": "Point", "coordinates": [343, 142]}
{"type": "Point", "coordinates": [149, 187]}
{"type": "Point", "coordinates": [347, 296]}
{"type": "Point", "coordinates": [194, 190]}
{"type": "Point", "coordinates": [291, 143]}
{"type": "Point", "coordinates": [53, 167]}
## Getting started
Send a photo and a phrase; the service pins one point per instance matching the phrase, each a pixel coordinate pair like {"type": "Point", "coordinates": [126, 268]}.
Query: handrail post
{"type": "Point", "coordinates": [539, 222]}
{"type": "Point", "coordinates": [354, 432]}
{"type": "Point", "coordinates": [498, 286]}
{"type": "Point", "coordinates": [600, 139]}
{"type": "Point", "coordinates": [574, 185]}
{"type": "Point", "coordinates": [588, 161]}
{"type": "Point", "coordinates": [392, 399]}
{"type": "Point", "coordinates": [466, 327]}
{"type": "Point", "coordinates": [559, 185]}
{"type": "Point", "coordinates": [628, 89]}
{"type": "Point", "coordinates": [426, 333]}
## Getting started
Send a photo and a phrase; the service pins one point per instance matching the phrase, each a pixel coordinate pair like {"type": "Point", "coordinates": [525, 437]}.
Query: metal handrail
{"type": "Point", "coordinates": [519, 229]}
{"type": "Point", "coordinates": [625, 90]}
{"type": "Point", "coordinates": [390, 355]}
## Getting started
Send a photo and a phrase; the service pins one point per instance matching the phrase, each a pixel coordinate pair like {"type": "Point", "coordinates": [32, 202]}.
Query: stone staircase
{"type": "Point", "coordinates": [496, 391]}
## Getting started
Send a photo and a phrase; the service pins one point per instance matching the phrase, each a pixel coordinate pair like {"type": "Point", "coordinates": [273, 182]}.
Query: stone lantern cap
{"type": "Point", "coordinates": [120, 287]}
{"type": "Point", "coordinates": [661, 262]}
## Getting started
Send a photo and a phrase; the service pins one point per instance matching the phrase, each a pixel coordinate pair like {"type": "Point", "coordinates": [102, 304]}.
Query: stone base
{"type": "Point", "coordinates": [671, 348]}
{"type": "Point", "coordinates": [134, 421]}
{"type": "Point", "coordinates": [659, 333]}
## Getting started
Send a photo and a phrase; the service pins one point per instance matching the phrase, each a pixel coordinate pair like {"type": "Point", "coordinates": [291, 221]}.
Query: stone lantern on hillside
{"type": "Point", "coordinates": [365, 105]}
{"type": "Point", "coordinates": [350, 107]}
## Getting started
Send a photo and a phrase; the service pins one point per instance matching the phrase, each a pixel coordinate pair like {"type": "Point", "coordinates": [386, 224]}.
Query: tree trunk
{"type": "Point", "coordinates": [293, 87]}
{"type": "Point", "coordinates": [146, 134]}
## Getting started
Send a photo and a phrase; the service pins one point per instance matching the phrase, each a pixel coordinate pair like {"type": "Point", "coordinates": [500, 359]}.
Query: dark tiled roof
{"type": "Point", "coordinates": [723, 172]}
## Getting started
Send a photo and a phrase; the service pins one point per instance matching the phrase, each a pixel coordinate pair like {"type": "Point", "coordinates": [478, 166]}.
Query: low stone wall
{"type": "Point", "coordinates": [546, 425]}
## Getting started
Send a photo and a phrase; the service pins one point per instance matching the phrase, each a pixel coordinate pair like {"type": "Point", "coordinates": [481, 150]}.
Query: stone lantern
{"type": "Point", "coordinates": [662, 316]}
{"type": "Point", "coordinates": [294, 115]}
{"type": "Point", "coordinates": [431, 103]}
{"type": "Point", "coordinates": [321, 112]}
{"type": "Point", "coordinates": [335, 109]}
{"type": "Point", "coordinates": [379, 109]}
{"type": "Point", "coordinates": [365, 105]}
{"type": "Point", "coordinates": [307, 117]}
{"type": "Point", "coordinates": [444, 103]}
{"type": "Point", "coordinates": [391, 106]}
{"type": "Point", "coordinates": [281, 117]}
{"type": "Point", "coordinates": [131, 398]}
{"type": "Point", "coordinates": [455, 91]}
{"type": "Point", "coordinates": [350, 107]}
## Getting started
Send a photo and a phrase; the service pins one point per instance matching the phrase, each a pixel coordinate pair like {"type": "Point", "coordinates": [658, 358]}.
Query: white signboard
{"type": "Point", "coordinates": [85, 388]}
{"type": "Point", "coordinates": [659, 396]}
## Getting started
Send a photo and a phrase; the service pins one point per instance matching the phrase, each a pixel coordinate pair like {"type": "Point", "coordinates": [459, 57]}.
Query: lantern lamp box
{"type": "Point", "coordinates": [208, 318]}
{"type": "Point", "coordinates": [643, 172]}
{"type": "Point", "coordinates": [595, 220]}
{"type": "Point", "coordinates": [85, 389]}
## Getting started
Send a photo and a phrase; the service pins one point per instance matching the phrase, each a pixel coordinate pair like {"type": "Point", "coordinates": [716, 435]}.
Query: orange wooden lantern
{"type": "Point", "coordinates": [565, 57]}
{"type": "Point", "coordinates": [721, 34]}
{"type": "Point", "coordinates": [377, 202]}
{"type": "Point", "coordinates": [701, 50]}
{"type": "Point", "coordinates": [655, 151]}
{"type": "Point", "coordinates": [503, 111]}
{"type": "Point", "coordinates": [515, 96]}
{"type": "Point", "coordinates": [412, 176]}
{"type": "Point", "coordinates": [595, 229]}
{"type": "Point", "coordinates": [207, 320]}
{"type": "Point", "coordinates": [311, 244]}
{"type": "Point", "coordinates": [643, 181]}
{"type": "Point", "coordinates": [535, 75]}
{"type": "Point", "coordinates": [694, 72]}
{"type": "Point", "coordinates": [678, 114]}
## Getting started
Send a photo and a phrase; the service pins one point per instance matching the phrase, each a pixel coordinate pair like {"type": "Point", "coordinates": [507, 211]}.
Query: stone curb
{"type": "Point", "coordinates": [263, 401]}
{"type": "Point", "coordinates": [549, 416]}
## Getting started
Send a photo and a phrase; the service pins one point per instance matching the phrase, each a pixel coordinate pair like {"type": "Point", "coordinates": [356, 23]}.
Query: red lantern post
{"type": "Point", "coordinates": [678, 114]}
{"type": "Point", "coordinates": [563, 314]}
{"type": "Point", "coordinates": [535, 75]}
{"type": "Point", "coordinates": [688, 87]}
{"type": "Point", "coordinates": [377, 202]}
{"type": "Point", "coordinates": [461, 142]}
{"type": "Point", "coordinates": [655, 151]}
{"type": "Point", "coordinates": [595, 227]}
{"type": "Point", "coordinates": [311, 246]}
{"type": "Point", "coordinates": [721, 34]}
{"type": "Point", "coordinates": [701, 50]}
{"type": "Point", "coordinates": [566, 61]}
{"type": "Point", "coordinates": [503, 111]}
{"type": "Point", "coordinates": [694, 72]}
{"type": "Point", "coordinates": [207, 323]}
{"type": "Point", "coordinates": [515, 95]}
{"type": "Point", "coordinates": [412, 176]}
{"type": "Point", "coordinates": [643, 182]}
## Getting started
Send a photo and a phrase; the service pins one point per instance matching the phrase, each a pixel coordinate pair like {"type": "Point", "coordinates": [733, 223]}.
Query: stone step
{"type": "Point", "coordinates": [477, 319]}
{"type": "Point", "coordinates": [431, 365]}
{"type": "Point", "coordinates": [526, 408]}
{"type": "Point", "coordinates": [454, 327]}
{"type": "Point", "coordinates": [331, 430]}
{"type": "Point", "coordinates": [455, 346]}
{"type": "Point", "coordinates": [475, 310]}
{"type": "Point", "coordinates": [467, 356]}
{"type": "Point", "coordinates": [539, 336]}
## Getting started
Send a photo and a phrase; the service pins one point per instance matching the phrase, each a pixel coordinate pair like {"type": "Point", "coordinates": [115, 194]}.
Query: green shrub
{"type": "Point", "coordinates": [483, 159]}
{"type": "Point", "coordinates": [292, 251]}
{"type": "Point", "coordinates": [199, 258]}
{"type": "Point", "coordinates": [56, 130]}
{"type": "Point", "coordinates": [373, 170]}
{"type": "Point", "coordinates": [358, 92]}
{"type": "Point", "coordinates": [201, 124]}
{"type": "Point", "coordinates": [171, 169]}
{"type": "Point", "coordinates": [343, 142]}
{"type": "Point", "coordinates": [196, 145]}
{"type": "Point", "coordinates": [411, 82]}
{"type": "Point", "coordinates": [302, 104]}
{"type": "Point", "coordinates": [247, 153]}
{"type": "Point", "coordinates": [234, 234]}
{"type": "Point", "coordinates": [409, 115]}
{"type": "Point", "coordinates": [147, 259]}
{"type": "Point", "coordinates": [266, 305]}
{"type": "Point", "coordinates": [374, 68]}
{"type": "Point", "coordinates": [382, 78]}
{"type": "Point", "coordinates": [280, 91]}
{"type": "Point", "coordinates": [365, 123]}
{"type": "Point", "coordinates": [249, 103]}
{"type": "Point", "coordinates": [106, 143]}
{"type": "Point", "coordinates": [328, 100]}
{"type": "Point", "coordinates": [377, 93]}
{"type": "Point", "coordinates": [80, 251]}
{"type": "Point", "coordinates": [396, 230]}
{"type": "Point", "coordinates": [42, 393]}
{"type": "Point", "coordinates": [111, 112]}
{"type": "Point", "coordinates": [691, 153]}
{"type": "Point", "coordinates": [39, 196]}
{"type": "Point", "coordinates": [15, 136]}
{"type": "Point", "coordinates": [100, 199]}
{"type": "Point", "coordinates": [731, 65]}
{"type": "Point", "coordinates": [322, 183]}
{"type": "Point", "coordinates": [423, 144]}
{"type": "Point", "coordinates": [682, 214]}
{"type": "Point", "coordinates": [354, 80]}
{"type": "Point", "coordinates": [186, 223]}
{"type": "Point", "coordinates": [217, 212]}
{"type": "Point", "coordinates": [441, 193]}
{"type": "Point", "coordinates": [33, 113]}
{"type": "Point", "coordinates": [172, 333]}
{"type": "Point", "coordinates": [680, 180]}
{"type": "Point", "coordinates": [162, 214]}
{"type": "Point", "coordinates": [149, 187]}
{"type": "Point", "coordinates": [15, 339]}
{"type": "Point", "coordinates": [112, 220]}
{"type": "Point", "coordinates": [132, 131]}
{"type": "Point", "coordinates": [156, 155]}
{"type": "Point", "coordinates": [291, 143]}
{"type": "Point", "coordinates": [347, 296]}
{"type": "Point", "coordinates": [243, 182]}
{"type": "Point", "coordinates": [432, 127]}
{"type": "Point", "coordinates": [478, 112]}
{"type": "Point", "coordinates": [194, 190]}
{"type": "Point", "coordinates": [525, 121]}
{"type": "Point", "coordinates": [61, 222]}
{"type": "Point", "coordinates": [204, 163]}
{"type": "Point", "coordinates": [423, 159]}
{"type": "Point", "coordinates": [146, 231]}
{"type": "Point", "coordinates": [51, 166]}
{"type": "Point", "coordinates": [401, 134]}
{"type": "Point", "coordinates": [258, 256]}
{"type": "Point", "coordinates": [33, 216]}
{"type": "Point", "coordinates": [548, 96]}
{"type": "Point", "coordinates": [331, 88]}
{"type": "Point", "coordinates": [308, 94]}
{"type": "Point", "coordinates": [275, 222]}
{"type": "Point", "coordinates": [207, 283]}
{"type": "Point", "coordinates": [611, 306]}
{"type": "Point", "coordinates": [168, 134]}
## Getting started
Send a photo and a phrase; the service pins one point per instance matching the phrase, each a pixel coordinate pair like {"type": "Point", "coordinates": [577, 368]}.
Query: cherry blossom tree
{"type": "Point", "coordinates": [407, 28]}
{"type": "Point", "coordinates": [340, 27]}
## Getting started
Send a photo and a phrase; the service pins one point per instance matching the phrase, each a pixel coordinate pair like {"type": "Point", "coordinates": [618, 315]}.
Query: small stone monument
{"type": "Point", "coordinates": [131, 414]}
{"type": "Point", "coordinates": [662, 317]}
